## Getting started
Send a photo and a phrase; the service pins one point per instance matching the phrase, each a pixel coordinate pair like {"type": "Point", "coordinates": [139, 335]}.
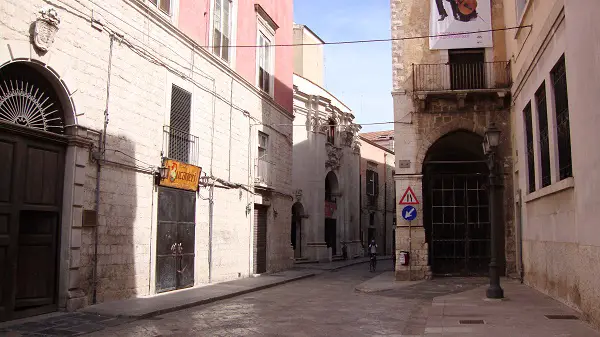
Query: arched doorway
{"type": "Point", "coordinates": [32, 159]}
{"type": "Point", "coordinates": [296, 239]}
{"type": "Point", "coordinates": [456, 207]}
{"type": "Point", "coordinates": [331, 192]}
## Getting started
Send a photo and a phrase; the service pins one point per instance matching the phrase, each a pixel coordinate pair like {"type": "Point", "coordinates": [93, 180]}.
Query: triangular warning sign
{"type": "Point", "coordinates": [409, 198]}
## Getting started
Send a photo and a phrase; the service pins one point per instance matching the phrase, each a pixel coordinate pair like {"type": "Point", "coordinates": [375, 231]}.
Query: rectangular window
{"type": "Point", "coordinates": [372, 183]}
{"type": "Point", "coordinates": [222, 28]}
{"type": "Point", "coordinates": [179, 131]}
{"type": "Point", "coordinates": [467, 68]}
{"type": "Point", "coordinates": [163, 5]}
{"type": "Point", "coordinates": [264, 63]}
{"type": "Point", "coordinates": [542, 110]}
{"type": "Point", "coordinates": [563, 128]}
{"type": "Point", "coordinates": [263, 143]}
{"type": "Point", "coordinates": [529, 147]}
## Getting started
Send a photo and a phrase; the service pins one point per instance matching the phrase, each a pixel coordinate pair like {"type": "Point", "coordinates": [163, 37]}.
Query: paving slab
{"type": "Point", "coordinates": [144, 307]}
{"type": "Point", "coordinates": [522, 313]}
{"type": "Point", "coordinates": [383, 282]}
{"type": "Point", "coordinates": [336, 265]}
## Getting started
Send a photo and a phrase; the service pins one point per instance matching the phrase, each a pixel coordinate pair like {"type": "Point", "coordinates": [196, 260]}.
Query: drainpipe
{"type": "Point", "coordinates": [98, 174]}
{"type": "Point", "coordinates": [385, 202]}
{"type": "Point", "coordinates": [360, 222]}
{"type": "Point", "coordinates": [210, 230]}
{"type": "Point", "coordinates": [520, 235]}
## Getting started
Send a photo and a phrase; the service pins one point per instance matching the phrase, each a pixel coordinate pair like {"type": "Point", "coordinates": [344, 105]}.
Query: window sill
{"type": "Point", "coordinates": [560, 186]}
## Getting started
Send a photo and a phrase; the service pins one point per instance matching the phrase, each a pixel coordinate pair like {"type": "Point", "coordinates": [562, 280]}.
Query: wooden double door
{"type": "Point", "coordinates": [31, 184]}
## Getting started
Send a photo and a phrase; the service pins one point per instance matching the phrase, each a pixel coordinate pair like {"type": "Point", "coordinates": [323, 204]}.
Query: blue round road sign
{"type": "Point", "coordinates": [409, 213]}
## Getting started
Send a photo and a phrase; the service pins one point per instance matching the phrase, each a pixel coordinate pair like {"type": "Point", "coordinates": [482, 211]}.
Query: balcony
{"type": "Point", "coordinates": [263, 169]}
{"type": "Point", "coordinates": [461, 79]}
{"type": "Point", "coordinates": [180, 145]}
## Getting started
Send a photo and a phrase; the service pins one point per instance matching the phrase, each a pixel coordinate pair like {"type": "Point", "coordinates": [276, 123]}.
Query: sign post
{"type": "Point", "coordinates": [409, 213]}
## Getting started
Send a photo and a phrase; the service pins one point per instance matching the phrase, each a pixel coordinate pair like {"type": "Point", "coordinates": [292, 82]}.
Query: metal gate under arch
{"type": "Point", "coordinates": [459, 223]}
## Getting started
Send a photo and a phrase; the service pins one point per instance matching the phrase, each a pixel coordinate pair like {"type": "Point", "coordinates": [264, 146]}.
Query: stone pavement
{"type": "Point", "coordinates": [457, 307]}
{"type": "Point", "coordinates": [335, 265]}
{"type": "Point", "coordinates": [354, 302]}
{"type": "Point", "coordinates": [525, 312]}
{"type": "Point", "coordinates": [100, 316]}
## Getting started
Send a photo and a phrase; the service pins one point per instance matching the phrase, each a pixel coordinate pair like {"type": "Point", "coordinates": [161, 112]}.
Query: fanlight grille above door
{"type": "Point", "coordinates": [28, 105]}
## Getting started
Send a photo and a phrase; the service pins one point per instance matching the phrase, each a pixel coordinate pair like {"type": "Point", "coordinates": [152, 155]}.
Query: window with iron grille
{"type": "Point", "coordinates": [563, 131]}
{"type": "Point", "coordinates": [372, 183]}
{"type": "Point", "coordinates": [529, 147]}
{"type": "Point", "coordinates": [222, 27]}
{"type": "Point", "coordinates": [371, 219]}
{"type": "Point", "coordinates": [179, 130]}
{"type": "Point", "coordinates": [163, 5]}
{"type": "Point", "coordinates": [542, 110]}
{"type": "Point", "coordinates": [263, 144]}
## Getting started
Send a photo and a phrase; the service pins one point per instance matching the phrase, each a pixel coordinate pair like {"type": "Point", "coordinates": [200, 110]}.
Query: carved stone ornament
{"type": "Point", "coordinates": [318, 124]}
{"type": "Point", "coordinates": [334, 157]}
{"type": "Point", "coordinates": [45, 28]}
{"type": "Point", "coordinates": [298, 194]}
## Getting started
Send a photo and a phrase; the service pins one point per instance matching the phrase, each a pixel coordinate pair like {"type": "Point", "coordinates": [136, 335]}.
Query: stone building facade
{"type": "Point", "coordinates": [554, 101]}
{"type": "Point", "coordinates": [440, 124]}
{"type": "Point", "coordinates": [118, 76]}
{"type": "Point", "coordinates": [325, 175]}
{"type": "Point", "coordinates": [377, 196]}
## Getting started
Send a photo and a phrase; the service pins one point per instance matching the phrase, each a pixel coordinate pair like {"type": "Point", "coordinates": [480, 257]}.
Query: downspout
{"type": "Point", "coordinates": [248, 208]}
{"type": "Point", "coordinates": [210, 230]}
{"type": "Point", "coordinates": [360, 208]}
{"type": "Point", "coordinates": [520, 236]}
{"type": "Point", "coordinates": [385, 203]}
{"type": "Point", "coordinates": [98, 175]}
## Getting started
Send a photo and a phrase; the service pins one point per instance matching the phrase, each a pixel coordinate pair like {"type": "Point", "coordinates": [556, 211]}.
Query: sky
{"type": "Point", "coordinates": [360, 75]}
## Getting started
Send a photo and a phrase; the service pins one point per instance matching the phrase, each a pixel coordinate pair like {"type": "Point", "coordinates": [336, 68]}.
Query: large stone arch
{"type": "Point", "coordinates": [54, 65]}
{"type": "Point", "coordinates": [433, 135]}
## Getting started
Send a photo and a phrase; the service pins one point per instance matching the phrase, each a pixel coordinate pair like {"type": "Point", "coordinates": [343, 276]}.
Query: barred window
{"type": "Point", "coordinates": [563, 131]}
{"type": "Point", "coordinates": [542, 110]}
{"type": "Point", "coordinates": [529, 148]}
{"type": "Point", "coordinates": [179, 134]}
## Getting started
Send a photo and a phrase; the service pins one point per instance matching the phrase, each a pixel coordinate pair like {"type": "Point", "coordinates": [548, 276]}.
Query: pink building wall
{"type": "Point", "coordinates": [194, 20]}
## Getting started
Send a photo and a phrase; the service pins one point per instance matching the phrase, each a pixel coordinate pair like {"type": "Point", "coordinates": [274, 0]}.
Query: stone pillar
{"type": "Point", "coordinates": [410, 236]}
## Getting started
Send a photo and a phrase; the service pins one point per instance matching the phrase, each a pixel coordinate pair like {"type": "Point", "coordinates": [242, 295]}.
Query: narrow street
{"type": "Point", "coordinates": [325, 305]}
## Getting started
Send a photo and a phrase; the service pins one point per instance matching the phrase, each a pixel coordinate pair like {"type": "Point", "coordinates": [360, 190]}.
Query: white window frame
{"type": "Point", "coordinates": [172, 15]}
{"type": "Point", "coordinates": [264, 29]}
{"type": "Point", "coordinates": [232, 30]}
{"type": "Point", "coordinates": [265, 136]}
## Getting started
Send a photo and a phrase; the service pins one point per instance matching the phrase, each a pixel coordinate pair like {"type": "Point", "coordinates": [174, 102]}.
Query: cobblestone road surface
{"type": "Point", "coordinates": [326, 305]}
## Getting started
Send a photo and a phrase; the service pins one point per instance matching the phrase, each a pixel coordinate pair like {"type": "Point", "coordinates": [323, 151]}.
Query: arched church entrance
{"type": "Point", "coordinates": [331, 191]}
{"type": "Point", "coordinates": [297, 241]}
{"type": "Point", "coordinates": [456, 207]}
{"type": "Point", "coordinates": [32, 159]}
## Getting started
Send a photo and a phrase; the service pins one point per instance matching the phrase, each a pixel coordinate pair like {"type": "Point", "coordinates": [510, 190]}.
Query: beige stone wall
{"type": "Point", "coordinates": [559, 221]}
{"type": "Point", "coordinates": [308, 59]}
{"type": "Point", "coordinates": [147, 59]}
{"type": "Point", "coordinates": [421, 123]}
{"type": "Point", "coordinates": [381, 161]}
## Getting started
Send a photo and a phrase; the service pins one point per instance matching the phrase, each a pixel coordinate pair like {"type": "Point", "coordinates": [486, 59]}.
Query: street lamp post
{"type": "Point", "coordinates": [490, 143]}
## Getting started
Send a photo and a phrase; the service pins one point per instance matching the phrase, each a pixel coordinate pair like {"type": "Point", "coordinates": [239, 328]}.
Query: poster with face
{"type": "Point", "coordinates": [460, 16]}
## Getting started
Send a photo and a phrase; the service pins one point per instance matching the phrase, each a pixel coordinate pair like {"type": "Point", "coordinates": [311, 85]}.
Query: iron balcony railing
{"type": "Point", "coordinates": [461, 76]}
{"type": "Point", "coordinates": [180, 145]}
{"type": "Point", "coordinates": [264, 170]}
